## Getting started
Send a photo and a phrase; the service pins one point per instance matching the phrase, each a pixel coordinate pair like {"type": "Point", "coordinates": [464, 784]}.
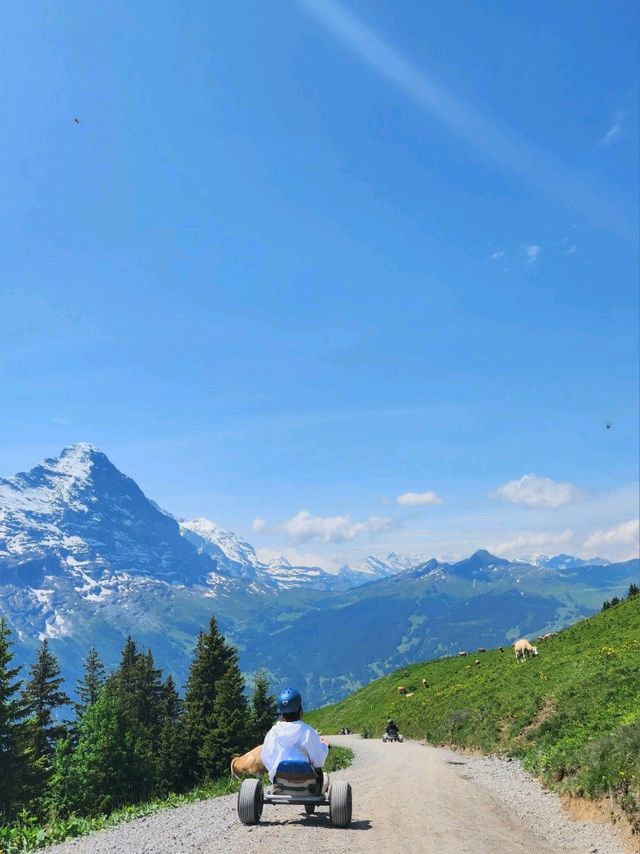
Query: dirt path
{"type": "Point", "coordinates": [407, 797]}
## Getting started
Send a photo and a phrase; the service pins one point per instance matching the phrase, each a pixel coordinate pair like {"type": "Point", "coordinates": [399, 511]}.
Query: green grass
{"type": "Point", "coordinates": [572, 714]}
{"type": "Point", "coordinates": [27, 832]}
{"type": "Point", "coordinates": [338, 758]}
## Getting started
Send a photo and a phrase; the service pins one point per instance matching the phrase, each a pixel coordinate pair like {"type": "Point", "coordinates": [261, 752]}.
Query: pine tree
{"type": "Point", "coordinates": [139, 684]}
{"type": "Point", "coordinates": [227, 729]}
{"type": "Point", "coordinates": [633, 590]}
{"type": "Point", "coordinates": [207, 668]}
{"type": "Point", "coordinates": [14, 753]}
{"type": "Point", "coordinates": [92, 681]}
{"type": "Point", "coordinates": [43, 695]}
{"type": "Point", "coordinates": [150, 697]}
{"type": "Point", "coordinates": [172, 743]}
{"type": "Point", "coordinates": [264, 711]}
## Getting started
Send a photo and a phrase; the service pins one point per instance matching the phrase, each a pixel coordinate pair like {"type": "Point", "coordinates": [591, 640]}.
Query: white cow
{"type": "Point", "coordinates": [524, 650]}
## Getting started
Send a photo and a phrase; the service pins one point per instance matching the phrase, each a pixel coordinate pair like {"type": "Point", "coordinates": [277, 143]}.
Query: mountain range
{"type": "Point", "coordinates": [85, 556]}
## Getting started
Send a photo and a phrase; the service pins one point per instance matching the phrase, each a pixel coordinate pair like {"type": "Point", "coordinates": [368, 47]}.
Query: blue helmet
{"type": "Point", "coordinates": [289, 701]}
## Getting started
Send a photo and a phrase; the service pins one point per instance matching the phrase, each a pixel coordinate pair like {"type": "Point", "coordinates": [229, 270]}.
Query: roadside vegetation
{"type": "Point", "coordinates": [27, 832]}
{"type": "Point", "coordinates": [572, 714]}
{"type": "Point", "coordinates": [134, 746]}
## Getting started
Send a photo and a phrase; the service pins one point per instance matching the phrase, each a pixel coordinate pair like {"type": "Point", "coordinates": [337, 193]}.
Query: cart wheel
{"type": "Point", "coordinates": [340, 804]}
{"type": "Point", "coordinates": [400, 738]}
{"type": "Point", "coordinates": [250, 801]}
{"type": "Point", "coordinates": [309, 809]}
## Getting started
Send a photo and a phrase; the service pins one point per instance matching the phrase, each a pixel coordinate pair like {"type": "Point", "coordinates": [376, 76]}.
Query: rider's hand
{"type": "Point", "coordinates": [325, 741]}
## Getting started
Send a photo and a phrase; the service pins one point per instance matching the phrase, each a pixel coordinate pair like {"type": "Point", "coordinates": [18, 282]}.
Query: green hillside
{"type": "Point", "coordinates": [572, 714]}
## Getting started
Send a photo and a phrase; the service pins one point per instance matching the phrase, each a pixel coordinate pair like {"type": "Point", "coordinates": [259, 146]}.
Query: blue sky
{"type": "Point", "coordinates": [298, 259]}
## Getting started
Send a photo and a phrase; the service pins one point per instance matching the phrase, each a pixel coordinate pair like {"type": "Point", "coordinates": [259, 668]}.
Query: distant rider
{"type": "Point", "coordinates": [392, 728]}
{"type": "Point", "coordinates": [291, 739]}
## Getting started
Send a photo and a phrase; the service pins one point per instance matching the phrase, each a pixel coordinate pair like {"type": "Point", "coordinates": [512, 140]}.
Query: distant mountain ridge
{"type": "Point", "coordinates": [86, 556]}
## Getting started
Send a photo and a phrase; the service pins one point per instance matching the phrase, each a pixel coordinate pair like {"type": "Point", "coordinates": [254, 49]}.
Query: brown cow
{"type": "Point", "coordinates": [249, 764]}
{"type": "Point", "coordinates": [402, 689]}
{"type": "Point", "coordinates": [424, 682]}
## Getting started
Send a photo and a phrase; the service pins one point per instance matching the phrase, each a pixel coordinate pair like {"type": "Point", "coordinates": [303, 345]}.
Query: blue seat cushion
{"type": "Point", "coordinates": [296, 776]}
{"type": "Point", "coordinates": [295, 768]}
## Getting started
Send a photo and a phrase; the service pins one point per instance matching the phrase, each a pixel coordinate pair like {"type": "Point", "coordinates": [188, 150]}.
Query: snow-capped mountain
{"type": "Point", "coordinates": [233, 555]}
{"type": "Point", "coordinates": [79, 516]}
{"type": "Point", "coordinates": [237, 558]}
{"type": "Point", "coordinates": [285, 576]}
{"type": "Point", "coordinates": [563, 561]}
{"type": "Point", "coordinates": [80, 512]}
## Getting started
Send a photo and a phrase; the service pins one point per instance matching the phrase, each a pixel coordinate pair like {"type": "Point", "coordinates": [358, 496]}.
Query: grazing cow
{"type": "Point", "coordinates": [524, 650]}
{"type": "Point", "coordinates": [462, 655]}
{"type": "Point", "coordinates": [406, 672]}
{"type": "Point", "coordinates": [477, 661]}
{"type": "Point", "coordinates": [249, 764]}
{"type": "Point", "coordinates": [402, 689]}
{"type": "Point", "coordinates": [501, 649]}
{"type": "Point", "coordinates": [424, 682]}
{"type": "Point", "coordinates": [482, 649]}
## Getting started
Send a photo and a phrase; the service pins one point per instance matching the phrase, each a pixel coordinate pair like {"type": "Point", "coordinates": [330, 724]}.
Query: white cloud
{"type": "Point", "coordinates": [525, 543]}
{"type": "Point", "coordinates": [331, 529]}
{"type": "Point", "coordinates": [614, 131]}
{"type": "Point", "coordinates": [531, 253]}
{"type": "Point", "coordinates": [624, 534]}
{"type": "Point", "coordinates": [498, 254]}
{"type": "Point", "coordinates": [418, 499]}
{"type": "Point", "coordinates": [534, 491]}
{"type": "Point", "coordinates": [259, 525]}
{"type": "Point", "coordinates": [570, 250]}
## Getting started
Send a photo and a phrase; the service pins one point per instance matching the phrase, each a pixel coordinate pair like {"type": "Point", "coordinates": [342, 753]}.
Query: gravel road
{"type": "Point", "coordinates": [406, 797]}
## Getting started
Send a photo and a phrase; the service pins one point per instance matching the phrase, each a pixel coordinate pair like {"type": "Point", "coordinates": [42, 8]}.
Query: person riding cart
{"type": "Point", "coordinates": [291, 740]}
{"type": "Point", "coordinates": [392, 728]}
{"type": "Point", "coordinates": [293, 754]}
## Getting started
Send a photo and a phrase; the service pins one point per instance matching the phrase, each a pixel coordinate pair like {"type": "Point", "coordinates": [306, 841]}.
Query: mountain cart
{"type": "Point", "coordinates": [392, 735]}
{"type": "Point", "coordinates": [295, 783]}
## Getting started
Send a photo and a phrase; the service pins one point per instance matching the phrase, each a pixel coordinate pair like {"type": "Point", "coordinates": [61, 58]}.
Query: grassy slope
{"type": "Point", "coordinates": [572, 713]}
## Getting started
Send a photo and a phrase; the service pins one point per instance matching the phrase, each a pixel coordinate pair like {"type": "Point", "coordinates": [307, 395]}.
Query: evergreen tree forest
{"type": "Point", "coordinates": [127, 736]}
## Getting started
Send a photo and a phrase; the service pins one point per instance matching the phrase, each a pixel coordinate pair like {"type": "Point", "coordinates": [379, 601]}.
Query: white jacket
{"type": "Point", "coordinates": [292, 740]}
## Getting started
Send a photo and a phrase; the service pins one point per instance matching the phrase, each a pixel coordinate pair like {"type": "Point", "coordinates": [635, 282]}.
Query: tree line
{"type": "Point", "coordinates": [634, 590]}
{"type": "Point", "coordinates": [132, 736]}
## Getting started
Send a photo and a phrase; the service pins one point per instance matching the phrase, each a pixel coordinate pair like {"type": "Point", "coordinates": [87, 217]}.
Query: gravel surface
{"type": "Point", "coordinates": [406, 797]}
{"type": "Point", "coordinates": [536, 807]}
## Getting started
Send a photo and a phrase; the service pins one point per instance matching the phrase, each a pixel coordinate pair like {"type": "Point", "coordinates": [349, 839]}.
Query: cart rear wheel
{"type": "Point", "coordinates": [340, 804]}
{"type": "Point", "coordinates": [250, 801]}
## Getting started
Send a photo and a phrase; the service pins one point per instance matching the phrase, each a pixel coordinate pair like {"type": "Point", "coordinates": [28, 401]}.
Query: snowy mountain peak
{"type": "Point", "coordinates": [76, 462]}
{"type": "Point", "coordinates": [562, 561]}
{"type": "Point", "coordinates": [279, 562]}
{"type": "Point", "coordinates": [233, 555]}
{"type": "Point", "coordinates": [78, 509]}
